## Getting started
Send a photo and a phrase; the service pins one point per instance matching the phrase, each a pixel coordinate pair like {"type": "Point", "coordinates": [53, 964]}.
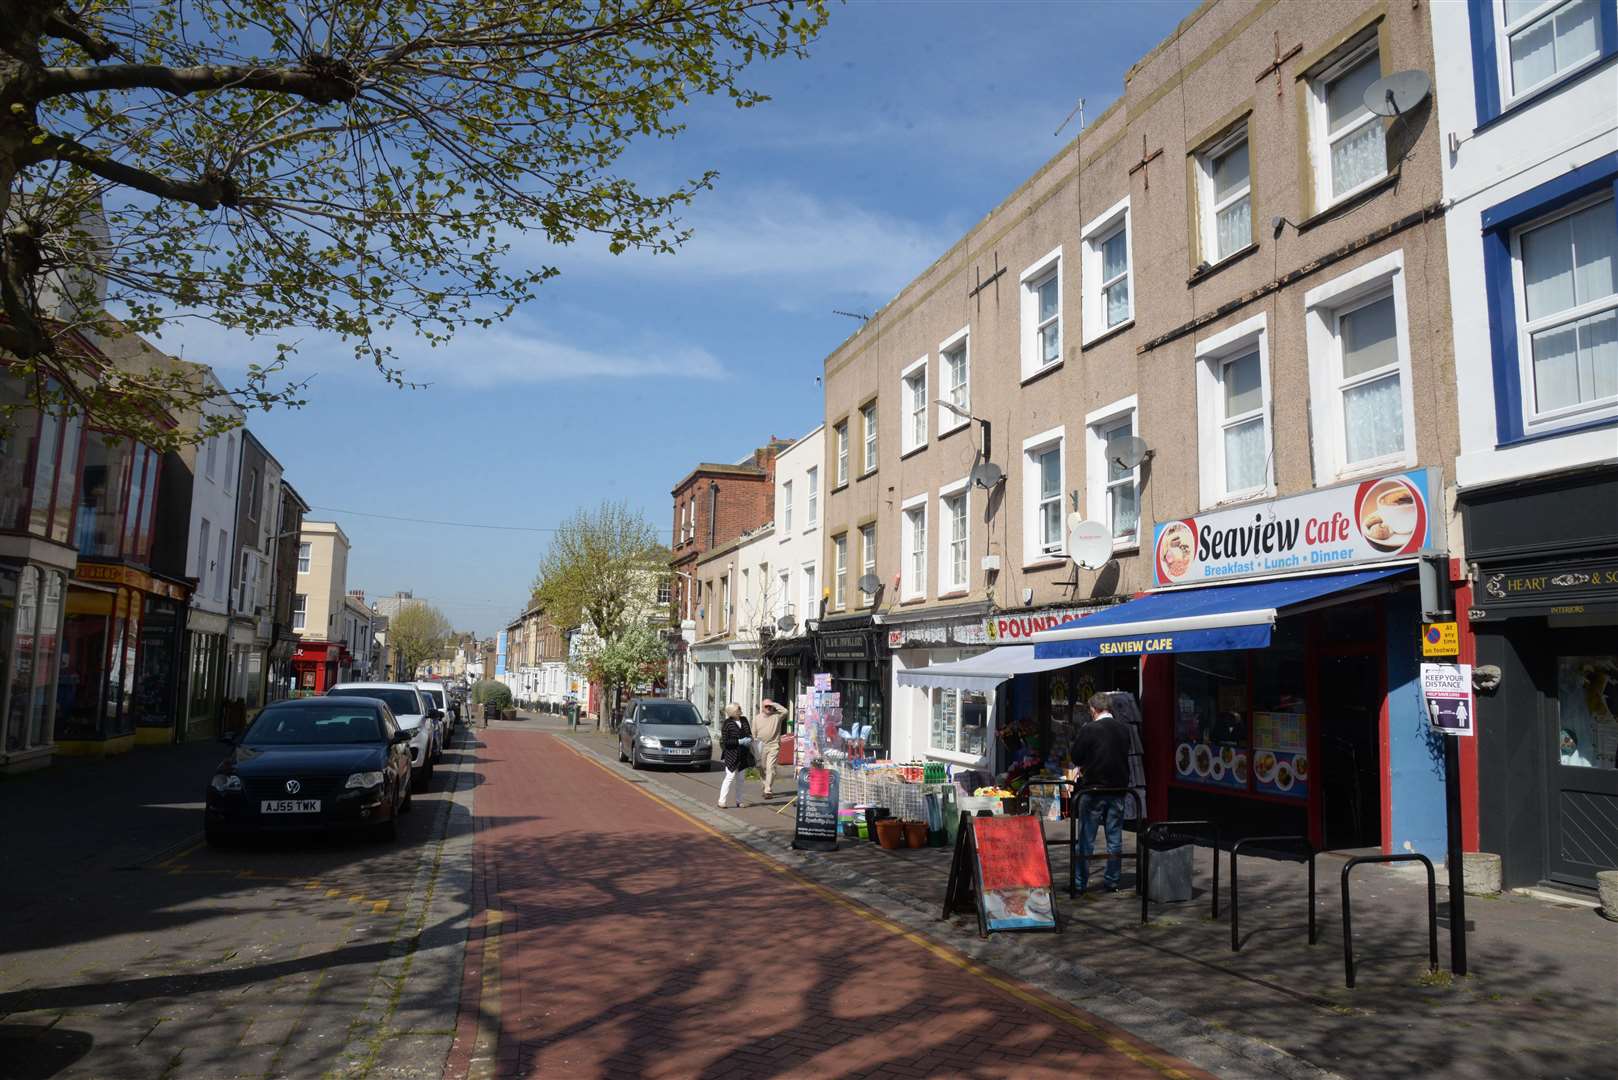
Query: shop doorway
{"type": "Point", "coordinates": [1582, 736]}
{"type": "Point", "coordinates": [1350, 704]}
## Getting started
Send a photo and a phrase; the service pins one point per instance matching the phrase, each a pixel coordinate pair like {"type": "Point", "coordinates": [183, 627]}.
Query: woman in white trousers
{"type": "Point", "coordinates": [735, 739]}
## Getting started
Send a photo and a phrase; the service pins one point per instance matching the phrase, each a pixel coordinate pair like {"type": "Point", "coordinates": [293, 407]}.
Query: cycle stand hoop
{"type": "Point", "coordinates": [1432, 909]}
{"type": "Point", "coordinates": [1235, 895]}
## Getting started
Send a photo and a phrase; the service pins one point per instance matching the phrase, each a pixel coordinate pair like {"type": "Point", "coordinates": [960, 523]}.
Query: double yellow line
{"type": "Point", "coordinates": [1061, 1013]}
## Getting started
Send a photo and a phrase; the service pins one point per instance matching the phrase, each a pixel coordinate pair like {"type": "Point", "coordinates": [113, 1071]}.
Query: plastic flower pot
{"type": "Point", "coordinates": [890, 833]}
{"type": "Point", "coordinates": [916, 834]}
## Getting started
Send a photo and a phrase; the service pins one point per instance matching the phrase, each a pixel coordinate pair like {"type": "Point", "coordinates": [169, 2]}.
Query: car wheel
{"type": "Point", "coordinates": [634, 758]}
{"type": "Point", "coordinates": [621, 755]}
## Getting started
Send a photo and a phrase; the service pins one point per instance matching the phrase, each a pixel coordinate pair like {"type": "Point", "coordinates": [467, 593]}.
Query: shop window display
{"type": "Point", "coordinates": [1587, 711]}
{"type": "Point", "coordinates": [960, 722]}
{"type": "Point", "coordinates": [1242, 720]}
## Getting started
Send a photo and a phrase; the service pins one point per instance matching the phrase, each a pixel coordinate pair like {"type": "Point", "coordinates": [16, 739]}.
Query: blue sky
{"type": "Point", "coordinates": [908, 123]}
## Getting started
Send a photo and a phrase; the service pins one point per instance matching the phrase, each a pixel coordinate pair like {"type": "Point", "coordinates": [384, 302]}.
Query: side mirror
{"type": "Point", "coordinates": [401, 736]}
{"type": "Point", "coordinates": [436, 714]}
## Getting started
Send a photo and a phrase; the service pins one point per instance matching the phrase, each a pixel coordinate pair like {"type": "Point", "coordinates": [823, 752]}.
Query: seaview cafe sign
{"type": "Point", "coordinates": [1365, 522]}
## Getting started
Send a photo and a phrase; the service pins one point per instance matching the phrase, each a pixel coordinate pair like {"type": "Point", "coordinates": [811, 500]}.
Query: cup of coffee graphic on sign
{"type": "Point", "coordinates": [1389, 515]}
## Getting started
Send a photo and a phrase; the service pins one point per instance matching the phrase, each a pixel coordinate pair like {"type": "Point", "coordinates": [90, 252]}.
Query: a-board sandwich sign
{"type": "Point", "coordinates": [815, 828]}
{"type": "Point", "coordinates": [1002, 872]}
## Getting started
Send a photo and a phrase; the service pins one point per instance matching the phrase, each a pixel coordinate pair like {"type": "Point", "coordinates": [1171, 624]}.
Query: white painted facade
{"type": "Point", "coordinates": [1522, 152]}
{"type": "Point", "coordinates": [800, 500]}
{"type": "Point", "coordinates": [213, 513]}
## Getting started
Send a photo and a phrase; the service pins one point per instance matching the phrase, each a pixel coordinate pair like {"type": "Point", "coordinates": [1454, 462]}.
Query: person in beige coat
{"type": "Point", "coordinates": [768, 725]}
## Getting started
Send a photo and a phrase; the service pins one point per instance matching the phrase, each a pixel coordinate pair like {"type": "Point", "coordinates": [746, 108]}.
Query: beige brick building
{"type": "Point", "coordinates": [1238, 263]}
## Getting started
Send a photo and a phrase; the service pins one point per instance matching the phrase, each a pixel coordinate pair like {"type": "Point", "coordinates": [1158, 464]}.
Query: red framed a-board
{"type": "Point", "coordinates": [1002, 871]}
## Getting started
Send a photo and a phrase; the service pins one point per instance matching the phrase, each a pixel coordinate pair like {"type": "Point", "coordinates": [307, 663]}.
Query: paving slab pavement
{"type": "Point", "coordinates": [1538, 1002]}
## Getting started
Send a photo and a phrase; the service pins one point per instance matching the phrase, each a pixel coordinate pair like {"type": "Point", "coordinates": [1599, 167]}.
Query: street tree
{"type": "Point", "coordinates": [418, 632]}
{"type": "Point", "coordinates": [601, 574]}
{"type": "Point", "coordinates": [364, 169]}
{"type": "Point", "coordinates": [635, 656]}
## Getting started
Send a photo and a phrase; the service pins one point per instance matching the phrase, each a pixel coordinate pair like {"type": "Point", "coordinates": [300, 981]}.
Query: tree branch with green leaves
{"type": "Point", "coordinates": [362, 169]}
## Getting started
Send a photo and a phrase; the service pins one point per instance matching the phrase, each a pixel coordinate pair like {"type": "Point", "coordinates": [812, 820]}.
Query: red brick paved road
{"type": "Point", "coordinates": [633, 942]}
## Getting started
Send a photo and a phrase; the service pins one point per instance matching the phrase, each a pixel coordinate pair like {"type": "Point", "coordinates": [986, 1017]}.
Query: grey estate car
{"type": "Point", "coordinates": [663, 731]}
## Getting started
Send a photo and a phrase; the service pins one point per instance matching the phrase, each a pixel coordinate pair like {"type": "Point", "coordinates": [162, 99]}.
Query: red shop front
{"type": "Point", "coordinates": [315, 665]}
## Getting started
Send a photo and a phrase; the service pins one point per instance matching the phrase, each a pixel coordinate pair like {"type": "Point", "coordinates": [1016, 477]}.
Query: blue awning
{"type": "Point", "coordinates": [1211, 619]}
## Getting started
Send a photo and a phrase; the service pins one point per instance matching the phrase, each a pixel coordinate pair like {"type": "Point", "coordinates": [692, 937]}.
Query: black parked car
{"type": "Point", "coordinates": [311, 764]}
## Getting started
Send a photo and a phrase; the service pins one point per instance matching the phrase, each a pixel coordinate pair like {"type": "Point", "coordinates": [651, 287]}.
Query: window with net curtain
{"type": "Point", "coordinates": [1115, 276]}
{"type": "Point", "coordinates": [916, 391]}
{"type": "Point", "coordinates": [1228, 197]}
{"type": "Point", "coordinates": [1548, 37]}
{"type": "Point", "coordinates": [1568, 317]}
{"type": "Point", "coordinates": [868, 557]}
{"type": "Point", "coordinates": [1049, 462]}
{"type": "Point", "coordinates": [1355, 150]}
{"type": "Point", "coordinates": [1123, 503]}
{"type": "Point", "coordinates": [916, 562]}
{"type": "Point", "coordinates": [1372, 398]}
{"type": "Point", "coordinates": [1241, 396]}
{"type": "Point", "coordinates": [955, 510]}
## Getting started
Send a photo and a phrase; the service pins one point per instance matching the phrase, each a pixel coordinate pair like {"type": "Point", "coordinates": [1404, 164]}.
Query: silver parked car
{"type": "Point", "coordinates": [660, 731]}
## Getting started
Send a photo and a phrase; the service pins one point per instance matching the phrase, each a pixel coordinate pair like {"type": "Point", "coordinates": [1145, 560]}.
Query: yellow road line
{"type": "Point", "coordinates": [943, 952]}
{"type": "Point", "coordinates": [481, 1062]}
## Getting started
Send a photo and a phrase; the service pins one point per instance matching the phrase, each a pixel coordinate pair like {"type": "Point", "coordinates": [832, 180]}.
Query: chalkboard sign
{"type": "Point", "coordinates": [816, 825]}
{"type": "Point", "coordinates": [1001, 871]}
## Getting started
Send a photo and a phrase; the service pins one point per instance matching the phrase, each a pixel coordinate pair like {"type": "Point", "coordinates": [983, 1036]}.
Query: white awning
{"type": "Point", "coordinates": [985, 671]}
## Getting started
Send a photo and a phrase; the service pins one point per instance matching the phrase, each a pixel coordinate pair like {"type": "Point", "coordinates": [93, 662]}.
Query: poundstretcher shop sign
{"type": "Point", "coordinates": [1364, 522]}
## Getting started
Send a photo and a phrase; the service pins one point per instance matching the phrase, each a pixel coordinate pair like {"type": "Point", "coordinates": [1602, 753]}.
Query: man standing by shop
{"type": "Point", "coordinates": [767, 727]}
{"type": "Point", "coordinates": [1101, 751]}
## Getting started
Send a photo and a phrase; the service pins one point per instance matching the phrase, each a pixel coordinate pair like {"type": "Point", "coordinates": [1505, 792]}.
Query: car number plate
{"type": "Point", "coordinates": [289, 806]}
{"type": "Point", "coordinates": [676, 751]}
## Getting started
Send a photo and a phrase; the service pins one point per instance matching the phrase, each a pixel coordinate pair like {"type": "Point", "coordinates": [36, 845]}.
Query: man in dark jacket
{"type": "Point", "coordinates": [1101, 752]}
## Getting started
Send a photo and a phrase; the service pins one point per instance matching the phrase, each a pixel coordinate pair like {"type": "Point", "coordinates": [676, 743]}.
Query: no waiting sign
{"type": "Point", "coordinates": [1447, 691]}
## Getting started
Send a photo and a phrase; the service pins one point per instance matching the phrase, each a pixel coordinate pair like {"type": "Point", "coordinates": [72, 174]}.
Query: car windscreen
{"type": "Point", "coordinates": [311, 725]}
{"type": "Point", "coordinates": [669, 712]}
{"type": "Point", "coordinates": [402, 701]}
{"type": "Point", "coordinates": [436, 697]}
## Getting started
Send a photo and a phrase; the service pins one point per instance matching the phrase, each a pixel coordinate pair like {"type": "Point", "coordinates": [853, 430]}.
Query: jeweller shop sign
{"type": "Point", "coordinates": [1369, 521]}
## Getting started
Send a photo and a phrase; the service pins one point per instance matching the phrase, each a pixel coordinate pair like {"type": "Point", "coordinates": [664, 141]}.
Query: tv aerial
{"type": "Point", "coordinates": [870, 584]}
{"type": "Point", "coordinates": [1128, 451]}
{"type": "Point", "coordinates": [1089, 543]}
{"type": "Point", "coordinates": [1397, 94]}
{"type": "Point", "coordinates": [986, 474]}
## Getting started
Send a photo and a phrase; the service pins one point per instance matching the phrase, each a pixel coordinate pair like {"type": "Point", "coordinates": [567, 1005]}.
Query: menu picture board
{"type": "Point", "coordinates": [1002, 872]}
{"type": "Point", "coordinates": [815, 828]}
{"type": "Point", "coordinates": [1280, 754]}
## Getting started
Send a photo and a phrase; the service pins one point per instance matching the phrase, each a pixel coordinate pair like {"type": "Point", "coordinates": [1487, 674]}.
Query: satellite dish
{"type": "Point", "coordinates": [1127, 451]}
{"type": "Point", "coordinates": [1089, 543]}
{"type": "Point", "coordinates": [987, 474]}
{"type": "Point", "coordinates": [786, 622]}
{"type": "Point", "coordinates": [1397, 94]}
{"type": "Point", "coordinates": [869, 584]}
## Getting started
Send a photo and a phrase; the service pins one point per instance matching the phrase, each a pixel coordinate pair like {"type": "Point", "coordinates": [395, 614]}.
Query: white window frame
{"type": "Point", "coordinates": [962, 339]}
{"type": "Point", "coordinates": [786, 507]}
{"type": "Point", "coordinates": [1097, 502]}
{"type": "Point", "coordinates": [1207, 209]}
{"type": "Point", "coordinates": [811, 592]}
{"type": "Point", "coordinates": [1034, 552]}
{"type": "Point", "coordinates": [839, 561]}
{"type": "Point", "coordinates": [937, 695]}
{"type": "Point", "coordinates": [1509, 94]}
{"type": "Point", "coordinates": [869, 418]}
{"type": "Point", "coordinates": [1322, 307]}
{"type": "Point", "coordinates": [909, 587]}
{"type": "Point", "coordinates": [202, 555]}
{"type": "Point", "coordinates": [947, 581]}
{"type": "Point", "coordinates": [1046, 268]}
{"type": "Point", "coordinates": [300, 611]}
{"type": "Point", "coordinates": [913, 424]}
{"type": "Point", "coordinates": [1093, 236]}
{"type": "Point", "coordinates": [724, 602]}
{"type": "Point", "coordinates": [1535, 422]}
{"type": "Point", "coordinates": [1213, 354]}
{"type": "Point", "coordinates": [812, 499]}
{"type": "Point", "coordinates": [1320, 139]}
{"type": "Point", "coordinates": [783, 604]}
{"type": "Point", "coordinates": [867, 559]}
{"type": "Point", "coordinates": [306, 552]}
{"type": "Point", "coordinates": [840, 442]}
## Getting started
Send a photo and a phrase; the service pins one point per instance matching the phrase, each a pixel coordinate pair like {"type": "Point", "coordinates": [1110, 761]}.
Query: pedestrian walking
{"type": "Point", "coordinates": [735, 750]}
{"type": "Point", "coordinates": [1101, 752]}
{"type": "Point", "coordinates": [767, 727]}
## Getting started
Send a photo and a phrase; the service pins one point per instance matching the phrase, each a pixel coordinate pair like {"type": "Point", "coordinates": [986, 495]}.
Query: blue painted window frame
{"type": "Point", "coordinates": [1498, 222]}
{"type": "Point", "coordinates": [1486, 48]}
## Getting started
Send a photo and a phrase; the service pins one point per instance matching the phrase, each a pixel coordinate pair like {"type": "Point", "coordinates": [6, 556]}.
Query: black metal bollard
{"type": "Point", "coordinates": [1432, 909]}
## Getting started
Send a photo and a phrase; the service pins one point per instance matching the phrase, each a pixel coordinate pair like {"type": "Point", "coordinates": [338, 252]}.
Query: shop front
{"type": "Point", "coordinates": [712, 687]}
{"type": "Point", "coordinates": [1279, 690]}
{"type": "Point", "coordinates": [853, 651]}
{"type": "Point", "coordinates": [315, 665]}
{"type": "Point", "coordinates": [1544, 612]}
{"type": "Point", "coordinates": [119, 671]}
{"type": "Point", "coordinates": [31, 612]}
{"type": "Point", "coordinates": [205, 653]}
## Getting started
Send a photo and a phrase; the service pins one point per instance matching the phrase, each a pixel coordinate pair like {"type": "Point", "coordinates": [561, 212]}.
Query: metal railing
{"type": "Point", "coordinates": [1143, 846]}
{"type": "Point", "coordinates": [1235, 882]}
{"type": "Point", "coordinates": [1432, 909]}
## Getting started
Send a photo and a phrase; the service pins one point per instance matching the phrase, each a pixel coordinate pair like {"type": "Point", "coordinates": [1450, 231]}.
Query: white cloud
{"type": "Point", "coordinates": [783, 236]}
